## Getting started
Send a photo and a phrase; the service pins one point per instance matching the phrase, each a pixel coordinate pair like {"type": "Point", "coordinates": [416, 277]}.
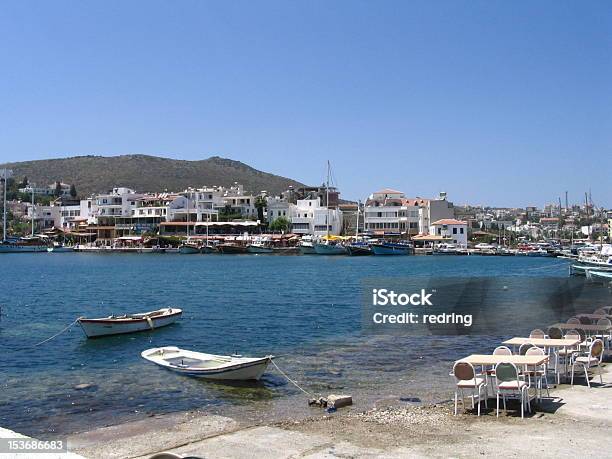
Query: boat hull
{"type": "Point", "coordinates": [228, 368]}
{"type": "Point", "coordinates": [325, 249]}
{"type": "Point", "coordinates": [383, 249]}
{"type": "Point", "coordinates": [94, 328]}
{"type": "Point", "coordinates": [359, 251]}
{"type": "Point", "coordinates": [259, 249]}
{"type": "Point", "coordinates": [232, 249]}
{"type": "Point", "coordinates": [16, 248]}
{"type": "Point", "coordinates": [188, 250]}
{"type": "Point", "coordinates": [307, 250]}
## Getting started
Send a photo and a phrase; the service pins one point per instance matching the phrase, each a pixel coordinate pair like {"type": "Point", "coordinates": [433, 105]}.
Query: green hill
{"type": "Point", "coordinates": [95, 174]}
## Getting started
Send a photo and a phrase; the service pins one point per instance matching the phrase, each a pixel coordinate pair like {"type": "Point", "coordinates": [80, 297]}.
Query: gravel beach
{"type": "Point", "coordinates": [575, 419]}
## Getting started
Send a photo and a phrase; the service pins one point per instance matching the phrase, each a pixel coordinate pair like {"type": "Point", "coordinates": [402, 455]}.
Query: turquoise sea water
{"type": "Point", "coordinates": [305, 309]}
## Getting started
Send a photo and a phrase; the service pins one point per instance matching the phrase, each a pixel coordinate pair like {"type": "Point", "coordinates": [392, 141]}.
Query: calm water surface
{"type": "Point", "coordinates": [305, 309]}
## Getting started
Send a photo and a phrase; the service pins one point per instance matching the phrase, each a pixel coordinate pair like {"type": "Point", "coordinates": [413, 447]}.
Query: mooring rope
{"type": "Point", "coordinates": [58, 333]}
{"type": "Point", "coordinates": [290, 380]}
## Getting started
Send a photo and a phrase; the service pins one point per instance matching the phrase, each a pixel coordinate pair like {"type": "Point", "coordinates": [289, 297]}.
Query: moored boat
{"type": "Point", "coordinates": [232, 248]}
{"type": "Point", "coordinates": [129, 323]}
{"type": "Point", "coordinates": [259, 248]}
{"type": "Point", "coordinates": [356, 250]}
{"type": "Point", "coordinates": [208, 366]}
{"type": "Point", "coordinates": [599, 276]}
{"type": "Point", "coordinates": [188, 249]}
{"type": "Point", "coordinates": [23, 245]}
{"type": "Point", "coordinates": [391, 248]}
{"type": "Point", "coordinates": [329, 248]}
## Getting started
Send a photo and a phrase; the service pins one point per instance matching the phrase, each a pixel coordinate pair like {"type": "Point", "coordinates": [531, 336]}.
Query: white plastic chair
{"type": "Point", "coordinates": [538, 372]}
{"type": "Point", "coordinates": [467, 378]}
{"type": "Point", "coordinates": [509, 384]}
{"type": "Point", "coordinates": [590, 360]}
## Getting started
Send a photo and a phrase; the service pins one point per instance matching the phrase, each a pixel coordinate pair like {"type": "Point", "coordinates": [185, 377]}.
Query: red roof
{"type": "Point", "coordinates": [449, 221]}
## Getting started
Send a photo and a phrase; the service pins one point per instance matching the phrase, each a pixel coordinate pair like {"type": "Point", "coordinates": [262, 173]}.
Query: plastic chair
{"type": "Point", "coordinates": [467, 378]}
{"type": "Point", "coordinates": [606, 338]}
{"type": "Point", "coordinates": [590, 360]}
{"type": "Point", "coordinates": [537, 333]}
{"type": "Point", "coordinates": [539, 373]}
{"type": "Point", "coordinates": [499, 350]}
{"type": "Point", "coordinates": [524, 347]}
{"type": "Point", "coordinates": [555, 333]}
{"type": "Point", "coordinates": [510, 384]}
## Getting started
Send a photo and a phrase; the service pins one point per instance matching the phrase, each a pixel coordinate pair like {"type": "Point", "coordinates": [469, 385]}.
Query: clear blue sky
{"type": "Point", "coordinates": [505, 103]}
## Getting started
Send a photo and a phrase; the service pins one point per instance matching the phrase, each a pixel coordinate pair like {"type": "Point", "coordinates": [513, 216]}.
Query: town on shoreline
{"type": "Point", "coordinates": [126, 219]}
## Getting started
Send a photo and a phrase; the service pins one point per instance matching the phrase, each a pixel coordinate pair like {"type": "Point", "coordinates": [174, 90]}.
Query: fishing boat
{"type": "Point", "coordinates": [449, 249]}
{"type": "Point", "coordinates": [306, 247]}
{"type": "Point", "coordinates": [231, 247]}
{"type": "Point", "coordinates": [391, 248]}
{"type": "Point", "coordinates": [188, 248]}
{"type": "Point", "coordinates": [599, 276]}
{"type": "Point", "coordinates": [129, 323]}
{"type": "Point", "coordinates": [208, 249]}
{"type": "Point", "coordinates": [329, 248]}
{"type": "Point", "coordinates": [286, 250]}
{"type": "Point", "coordinates": [59, 248]}
{"type": "Point", "coordinates": [23, 245]}
{"type": "Point", "coordinates": [259, 247]}
{"type": "Point", "coordinates": [358, 249]}
{"type": "Point", "coordinates": [208, 366]}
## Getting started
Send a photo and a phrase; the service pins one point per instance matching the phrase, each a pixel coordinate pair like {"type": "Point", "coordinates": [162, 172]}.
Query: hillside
{"type": "Point", "coordinates": [93, 174]}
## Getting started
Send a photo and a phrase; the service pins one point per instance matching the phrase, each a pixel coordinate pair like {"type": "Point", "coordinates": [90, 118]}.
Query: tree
{"type": "Point", "coordinates": [58, 189]}
{"type": "Point", "coordinates": [73, 191]}
{"type": "Point", "coordinates": [280, 224]}
{"type": "Point", "coordinates": [24, 182]}
{"type": "Point", "coordinates": [260, 205]}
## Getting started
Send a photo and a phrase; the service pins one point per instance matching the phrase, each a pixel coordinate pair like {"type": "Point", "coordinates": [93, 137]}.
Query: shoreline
{"type": "Point", "coordinates": [573, 415]}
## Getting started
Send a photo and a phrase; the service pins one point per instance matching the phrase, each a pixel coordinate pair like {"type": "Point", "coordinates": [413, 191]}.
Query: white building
{"type": "Point", "coordinates": [389, 212]}
{"type": "Point", "coordinates": [119, 202]}
{"type": "Point", "coordinates": [279, 207]}
{"type": "Point", "coordinates": [309, 217]}
{"type": "Point", "coordinates": [451, 228]}
{"type": "Point", "coordinates": [47, 190]}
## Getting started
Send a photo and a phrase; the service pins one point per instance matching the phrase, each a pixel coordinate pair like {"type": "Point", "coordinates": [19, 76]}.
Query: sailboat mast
{"type": "Point", "coordinates": [32, 210]}
{"type": "Point", "coordinates": [327, 198]}
{"type": "Point", "coordinates": [357, 225]}
{"type": "Point", "coordinates": [4, 176]}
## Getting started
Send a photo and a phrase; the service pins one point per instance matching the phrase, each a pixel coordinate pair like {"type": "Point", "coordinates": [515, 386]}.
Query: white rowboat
{"type": "Point", "coordinates": [129, 323]}
{"type": "Point", "coordinates": [209, 366]}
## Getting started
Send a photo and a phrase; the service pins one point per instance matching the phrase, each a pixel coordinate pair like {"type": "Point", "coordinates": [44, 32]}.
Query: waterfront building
{"type": "Point", "coordinates": [310, 217]}
{"type": "Point", "coordinates": [455, 230]}
{"type": "Point", "coordinates": [389, 213]}
{"type": "Point", "coordinates": [278, 207]}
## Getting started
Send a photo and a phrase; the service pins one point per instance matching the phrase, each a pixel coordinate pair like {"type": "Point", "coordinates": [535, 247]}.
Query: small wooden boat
{"type": "Point", "coordinates": [231, 248]}
{"type": "Point", "coordinates": [357, 250]}
{"type": "Point", "coordinates": [209, 366]}
{"type": "Point", "coordinates": [327, 248]}
{"type": "Point", "coordinates": [129, 323]}
{"type": "Point", "coordinates": [259, 248]}
{"type": "Point", "coordinates": [208, 249]}
{"type": "Point", "coordinates": [188, 249]}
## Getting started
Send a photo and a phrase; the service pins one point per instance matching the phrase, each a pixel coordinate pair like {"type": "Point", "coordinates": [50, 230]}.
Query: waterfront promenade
{"type": "Point", "coordinates": [576, 417]}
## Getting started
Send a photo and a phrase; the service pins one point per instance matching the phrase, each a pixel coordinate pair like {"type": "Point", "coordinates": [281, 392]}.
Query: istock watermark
{"type": "Point", "coordinates": [385, 297]}
{"type": "Point", "coordinates": [483, 305]}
